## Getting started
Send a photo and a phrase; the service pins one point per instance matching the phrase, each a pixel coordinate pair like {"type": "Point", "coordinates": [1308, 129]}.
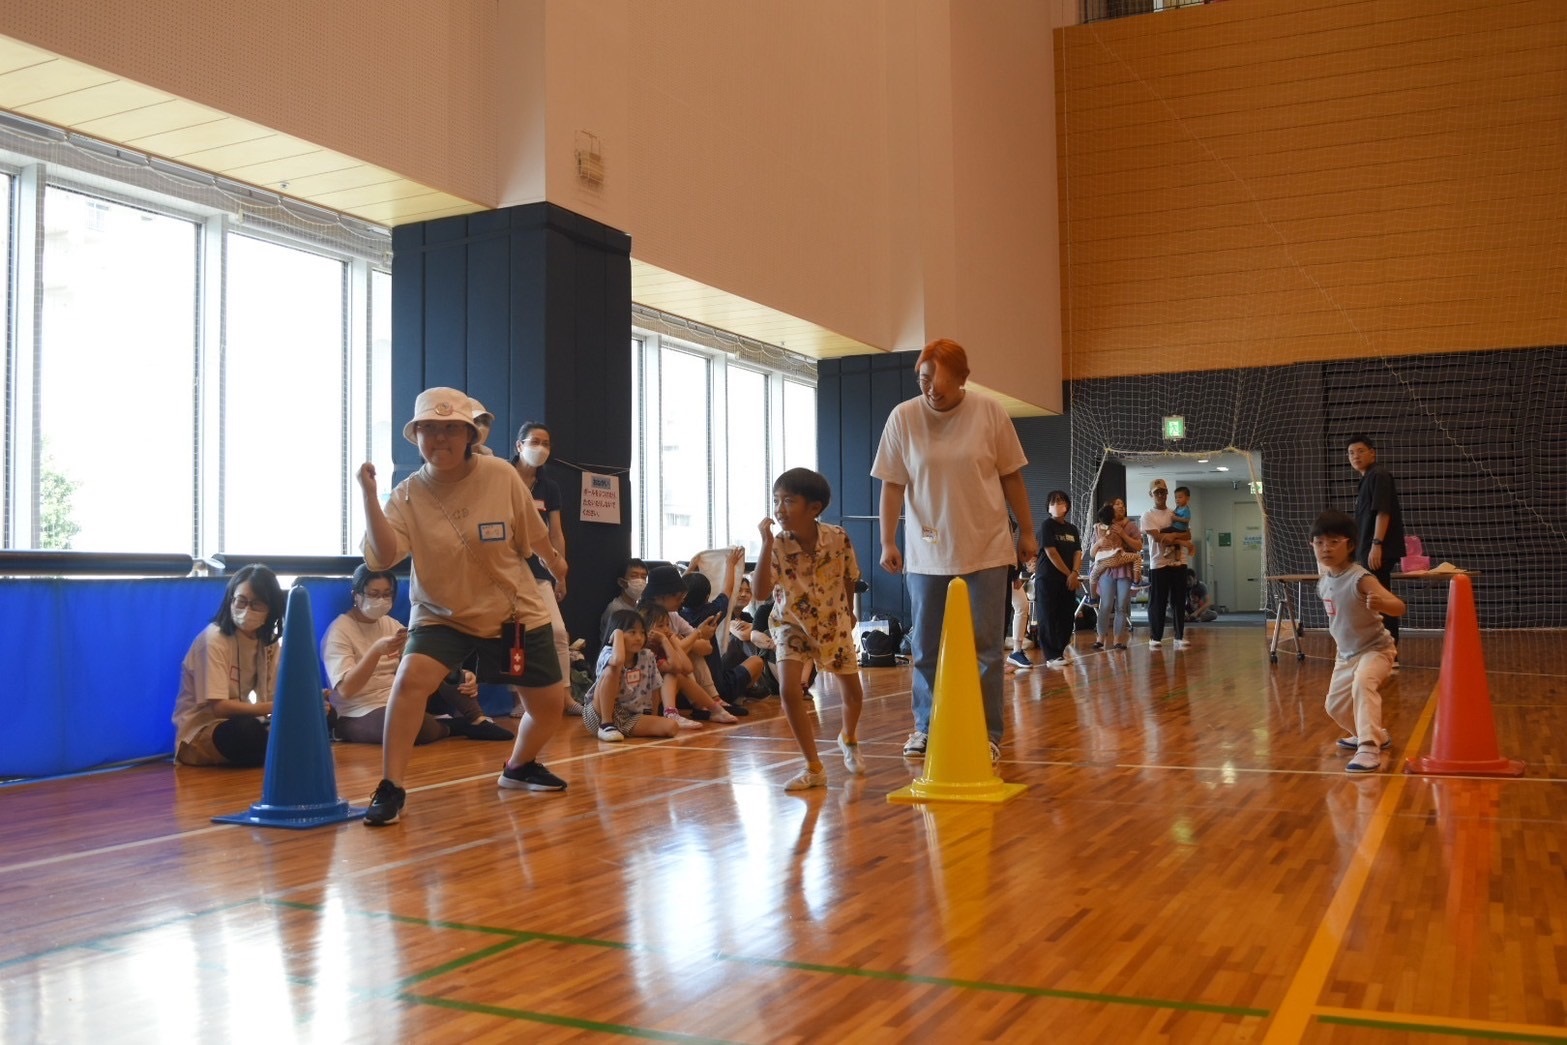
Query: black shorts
{"type": "Point", "coordinates": [541, 667]}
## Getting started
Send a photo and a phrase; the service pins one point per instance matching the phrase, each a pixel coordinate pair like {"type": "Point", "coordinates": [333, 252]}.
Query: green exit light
{"type": "Point", "coordinates": [1175, 427]}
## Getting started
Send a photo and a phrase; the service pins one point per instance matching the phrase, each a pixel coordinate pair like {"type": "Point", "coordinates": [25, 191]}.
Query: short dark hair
{"type": "Point", "coordinates": [802, 482]}
{"type": "Point", "coordinates": [264, 585]}
{"type": "Point", "coordinates": [622, 620]}
{"type": "Point", "coordinates": [1360, 438]}
{"type": "Point", "coordinates": [633, 564]}
{"type": "Point", "coordinates": [1058, 495]}
{"type": "Point", "coordinates": [522, 433]}
{"type": "Point", "coordinates": [1107, 514]}
{"type": "Point", "coordinates": [1333, 523]}
{"type": "Point", "coordinates": [1187, 490]}
{"type": "Point", "coordinates": [363, 575]}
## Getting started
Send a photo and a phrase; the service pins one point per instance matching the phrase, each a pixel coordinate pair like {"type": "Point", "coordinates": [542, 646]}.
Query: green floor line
{"type": "Point", "coordinates": [559, 1021]}
{"type": "Point", "coordinates": [1003, 988]}
{"type": "Point", "coordinates": [458, 963]}
{"type": "Point", "coordinates": [1452, 1032]}
{"type": "Point", "coordinates": [520, 936]}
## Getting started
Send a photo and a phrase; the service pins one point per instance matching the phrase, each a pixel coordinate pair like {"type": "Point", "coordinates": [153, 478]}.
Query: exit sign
{"type": "Point", "coordinates": [1175, 427]}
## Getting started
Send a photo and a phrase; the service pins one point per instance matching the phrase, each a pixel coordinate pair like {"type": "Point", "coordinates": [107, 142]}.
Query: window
{"type": "Point", "coordinates": [184, 378]}
{"type": "Point", "coordinates": [710, 432]}
{"type": "Point", "coordinates": [116, 416]}
{"type": "Point", "coordinates": [283, 383]}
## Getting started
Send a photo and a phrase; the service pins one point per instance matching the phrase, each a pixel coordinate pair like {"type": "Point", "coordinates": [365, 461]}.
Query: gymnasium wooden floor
{"type": "Point", "coordinates": [1189, 863]}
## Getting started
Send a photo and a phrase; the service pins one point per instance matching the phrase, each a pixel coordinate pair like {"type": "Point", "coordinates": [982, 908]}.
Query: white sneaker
{"type": "Point", "coordinates": [914, 747]}
{"type": "Point", "coordinates": [610, 735]}
{"type": "Point", "coordinates": [1367, 760]}
{"type": "Point", "coordinates": [851, 756]}
{"type": "Point", "coordinates": [1155, 643]}
{"type": "Point", "coordinates": [681, 722]}
{"type": "Point", "coordinates": [995, 752]}
{"type": "Point", "coordinates": [1183, 644]}
{"type": "Point", "coordinates": [718, 714]}
{"type": "Point", "coordinates": [1056, 662]}
{"type": "Point", "coordinates": [805, 780]}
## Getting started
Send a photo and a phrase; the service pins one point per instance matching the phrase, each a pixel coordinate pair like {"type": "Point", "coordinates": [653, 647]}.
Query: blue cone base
{"type": "Point", "coordinates": [296, 817]}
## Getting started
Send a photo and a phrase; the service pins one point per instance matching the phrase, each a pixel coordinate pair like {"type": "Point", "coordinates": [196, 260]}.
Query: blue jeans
{"type": "Point", "coordinates": [1115, 609]}
{"type": "Point", "coordinates": [987, 593]}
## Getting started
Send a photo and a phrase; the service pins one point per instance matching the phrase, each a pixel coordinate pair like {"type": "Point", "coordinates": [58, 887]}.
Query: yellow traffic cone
{"type": "Point", "coordinates": [957, 755]}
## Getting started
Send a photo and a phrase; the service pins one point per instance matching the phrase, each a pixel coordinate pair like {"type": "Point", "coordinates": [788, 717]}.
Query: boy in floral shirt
{"type": "Point", "coordinates": [811, 569]}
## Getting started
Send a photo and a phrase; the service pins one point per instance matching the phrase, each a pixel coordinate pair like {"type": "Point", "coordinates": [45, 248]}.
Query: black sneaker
{"type": "Point", "coordinates": [485, 729]}
{"type": "Point", "coordinates": [530, 776]}
{"type": "Point", "coordinates": [385, 805]}
{"type": "Point", "coordinates": [736, 710]}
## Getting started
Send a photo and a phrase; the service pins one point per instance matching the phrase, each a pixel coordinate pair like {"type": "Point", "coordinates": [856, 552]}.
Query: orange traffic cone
{"type": "Point", "coordinates": [1464, 743]}
{"type": "Point", "coordinates": [957, 756]}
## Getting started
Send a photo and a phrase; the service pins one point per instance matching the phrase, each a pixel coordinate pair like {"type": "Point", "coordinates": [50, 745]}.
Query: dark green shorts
{"type": "Point", "coordinates": [541, 667]}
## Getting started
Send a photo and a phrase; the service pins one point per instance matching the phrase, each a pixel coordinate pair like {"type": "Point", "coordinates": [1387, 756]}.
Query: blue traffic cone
{"type": "Point", "coordinates": [300, 786]}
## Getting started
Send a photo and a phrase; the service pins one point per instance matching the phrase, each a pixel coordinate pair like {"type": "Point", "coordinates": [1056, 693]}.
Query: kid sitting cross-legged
{"type": "Point", "coordinates": [812, 620]}
{"type": "Point", "coordinates": [621, 701]}
{"type": "Point", "coordinates": [1355, 602]}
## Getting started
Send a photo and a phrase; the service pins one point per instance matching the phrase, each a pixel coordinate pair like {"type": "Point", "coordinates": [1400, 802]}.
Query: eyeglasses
{"type": "Point", "coordinates": [1328, 542]}
{"type": "Point", "coordinates": [242, 603]}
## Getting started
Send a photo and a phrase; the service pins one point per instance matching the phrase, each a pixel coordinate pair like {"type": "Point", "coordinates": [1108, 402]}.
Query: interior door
{"type": "Point", "coordinates": [1247, 550]}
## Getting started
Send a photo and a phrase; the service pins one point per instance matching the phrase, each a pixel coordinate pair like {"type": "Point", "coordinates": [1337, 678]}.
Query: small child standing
{"type": "Point", "coordinates": [621, 701]}
{"type": "Point", "coordinates": [812, 570]}
{"type": "Point", "coordinates": [1355, 602]}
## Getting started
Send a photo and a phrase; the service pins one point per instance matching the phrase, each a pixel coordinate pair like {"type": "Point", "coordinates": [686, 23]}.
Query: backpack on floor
{"type": "Point", "coordinates": [881, 640]}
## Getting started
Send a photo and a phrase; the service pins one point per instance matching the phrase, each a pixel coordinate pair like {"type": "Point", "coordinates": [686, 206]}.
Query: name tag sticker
{"type": "Point", "coordinates": [492, 531]}
{"type": "Point", "coordinates": [633, 678]}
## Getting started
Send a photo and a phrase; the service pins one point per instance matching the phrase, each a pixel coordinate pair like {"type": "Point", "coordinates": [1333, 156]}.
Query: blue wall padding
{"type": "Point", "coordinates": [89, 668]}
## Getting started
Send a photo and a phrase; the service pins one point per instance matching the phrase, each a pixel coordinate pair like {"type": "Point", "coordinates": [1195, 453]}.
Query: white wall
{"type": "Point", "coordinates": [1213, 512]}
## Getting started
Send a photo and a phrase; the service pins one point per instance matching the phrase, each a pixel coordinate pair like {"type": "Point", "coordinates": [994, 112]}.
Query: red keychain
{"type": "Point", "coordinates": [517, 661]}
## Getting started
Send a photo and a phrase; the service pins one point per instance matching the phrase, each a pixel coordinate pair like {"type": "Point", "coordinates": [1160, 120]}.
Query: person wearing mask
{"type": "Point", "coordinates": [221, 714]}
{"type": "Point", "coordinates": [361, 650]}
{"type": "Point", "coordinates": [632, 582]}
{"type": "Point", "coordinates": [548, 563]}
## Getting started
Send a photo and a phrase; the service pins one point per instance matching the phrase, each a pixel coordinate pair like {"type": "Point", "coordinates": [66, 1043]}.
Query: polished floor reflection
{"type": "Point", "coordinates": [1189, 862]}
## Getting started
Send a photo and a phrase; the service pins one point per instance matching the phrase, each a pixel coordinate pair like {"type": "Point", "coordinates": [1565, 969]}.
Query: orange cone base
{"type": "Point", "coordinates": [993, 791]}
{"type": "Point", "coordinates": [1428, 766]}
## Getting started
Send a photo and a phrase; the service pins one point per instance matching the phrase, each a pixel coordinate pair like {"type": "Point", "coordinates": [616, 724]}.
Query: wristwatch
{"type": "Point", "coordinates": [1376, 540]}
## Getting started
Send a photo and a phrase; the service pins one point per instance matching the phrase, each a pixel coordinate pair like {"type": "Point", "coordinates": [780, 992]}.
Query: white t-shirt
{"type": "Point", "coordinates": [347, 641]}
{"type": "Point", "coordinates": [1161, 555]}
{"type": "Point", "coordinates": [501, 527]}
{"type": "Point", "coordinates": [950, 464]}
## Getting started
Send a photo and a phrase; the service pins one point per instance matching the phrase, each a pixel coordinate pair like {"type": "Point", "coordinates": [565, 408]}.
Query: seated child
{"type": "Point", "coordinates": [659, 608]}
{"type": "Point", "coordinates": [361, 650]}
{"type": "Point", "coordinates": [731, 677]}
{"type": "Point", "coordinates": [631, 582]}
{"type": "Point", "coordinates": [621, 702]}
{"type": "Point", "coordinates": [1355, 602]}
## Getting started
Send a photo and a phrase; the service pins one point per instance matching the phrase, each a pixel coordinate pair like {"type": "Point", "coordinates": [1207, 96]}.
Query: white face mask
{"type": "Point", "coordinates": [375, 609]}
{"type": "Point", "coordinates": [634, 589]}
{"type": "Point", "coordinates": [249, 620]}
{"type": "Point", "coordinates": [1058, 510]}
{"type": "Point", "coordinates": [535, 456]}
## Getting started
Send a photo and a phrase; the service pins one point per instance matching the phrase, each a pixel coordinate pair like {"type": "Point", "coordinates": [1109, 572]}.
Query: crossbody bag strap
{"type": "Point", "coordinates": [505, 589]}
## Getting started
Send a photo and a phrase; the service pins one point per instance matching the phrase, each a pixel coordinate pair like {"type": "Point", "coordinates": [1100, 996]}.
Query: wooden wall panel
{"type": "Point", "coordinates": [1317, 180]}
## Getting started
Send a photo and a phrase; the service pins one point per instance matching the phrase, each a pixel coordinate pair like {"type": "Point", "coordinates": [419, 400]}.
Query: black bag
{"type": "Point", "coordinates": [880, 649]}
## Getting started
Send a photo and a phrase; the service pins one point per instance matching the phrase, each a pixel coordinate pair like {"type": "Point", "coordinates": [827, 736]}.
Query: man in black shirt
{"type": "Point", "coordinates": [1378, 518]}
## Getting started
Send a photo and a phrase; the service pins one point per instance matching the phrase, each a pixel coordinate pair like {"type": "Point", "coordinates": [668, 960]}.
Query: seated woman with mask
{"type": "Point", "coordinates": [229, 674]}
{"type": "Point", "coordinates": [361, 650]}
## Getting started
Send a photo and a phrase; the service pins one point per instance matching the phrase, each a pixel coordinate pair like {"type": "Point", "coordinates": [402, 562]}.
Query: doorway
{"type": "Point", "coordinates": [1227, 517]}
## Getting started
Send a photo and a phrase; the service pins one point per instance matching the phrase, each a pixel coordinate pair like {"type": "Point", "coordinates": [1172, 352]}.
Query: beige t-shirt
{"type": "Point", "coordinates": [221, 667]}
{"type": "Point", "coordinates": [501, 527]}
{"type": "Point", "coordinates": [951, 463]}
